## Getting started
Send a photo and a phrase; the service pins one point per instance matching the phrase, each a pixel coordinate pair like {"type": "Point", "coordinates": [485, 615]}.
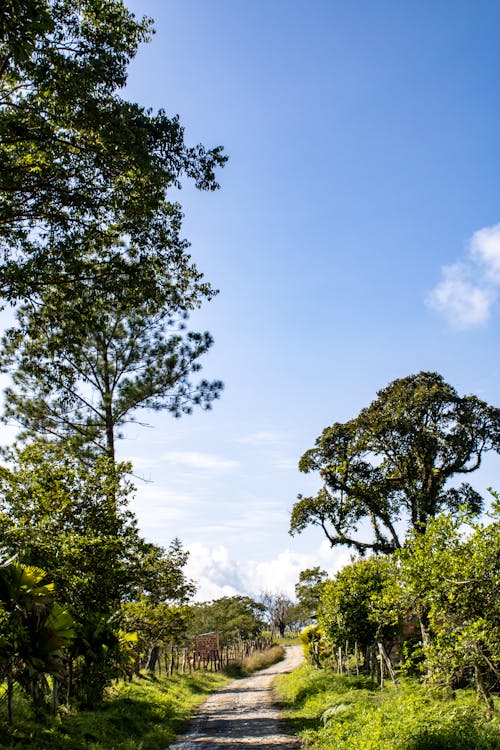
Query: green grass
{"type": "Point", "coordinates": [143, 715]}
{"type": "Point", "coordinates": [328, 711]}
{"type": "Point", "coordinates": [146, 714]}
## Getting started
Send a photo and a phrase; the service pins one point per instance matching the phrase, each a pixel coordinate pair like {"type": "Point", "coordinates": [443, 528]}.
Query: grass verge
{"type": "Point", "coordinates": [146, 714]}
{"type": "Point", "coordinates": [259, 660]}
{"type": "Point", "coordinates": [328, 711]}
{"type": "Point", "coordinates": [143, 715]}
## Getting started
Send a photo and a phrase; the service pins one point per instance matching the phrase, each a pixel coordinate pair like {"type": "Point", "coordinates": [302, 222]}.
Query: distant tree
{"type": "Point", "coordinates": [231, 616]}
{"type": "Point", "coordinates": [282, 611]}
{"type": "Point", "coordinates": [393, 463]}
{"type": "Point", "coordinates": [308, 592]}
{"type": "Point", "coordinates": [157, 611]}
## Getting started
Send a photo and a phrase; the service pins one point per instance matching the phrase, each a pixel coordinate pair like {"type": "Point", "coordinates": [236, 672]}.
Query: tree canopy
{"type": "Point", "coordinates": [394, 462]}
{"type": "Point", "coordinates": [85, 361]}
{"type": "Point", "coordinates": [231, 616]}
{"type": "Point", "coordinates": [81, 168]}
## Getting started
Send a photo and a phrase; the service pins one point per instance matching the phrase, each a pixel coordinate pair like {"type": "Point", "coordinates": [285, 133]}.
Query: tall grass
{"type": "Point", "coordinates": [258, 660]}
{"type": "Point", "coordinates": [329, 711]}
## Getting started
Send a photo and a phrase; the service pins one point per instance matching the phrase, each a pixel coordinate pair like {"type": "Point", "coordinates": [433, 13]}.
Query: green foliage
{"type": "Point", "coordinates": [74, 523]}
{"type": "Point", "coordinates": [83, 361]}
{"type": "Point", "coordinates": [451, 573]}
{"type": "Point", "coordinates": [34, 630]}
{"type": "Point", "coordinates": [393, 462]}
{"type": "Point", "coordinates": [308, 592]}
{"type": "Point", "coordinates": [81, 167]}
{"type": "Point", "coordinates": [146, 714]}
{"type": "Point", "coordinates": [231, 616]}
{"type": "Point", "coordinates": [314, 645]}
{"type": "Point", "coordinates": [350, 605]}
{"type": "Point", "coordinates": [352, 714]}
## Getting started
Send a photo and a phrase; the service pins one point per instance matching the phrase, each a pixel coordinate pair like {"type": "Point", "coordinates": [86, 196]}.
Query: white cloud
{"type": "Point", "coordinates": [218, 575]}
{"type": "Point", "coordinates": [198, 460]}
{"type": "Point", "coordinates": [462, 302]}
{"type": "Point", "coordinates": [485, 249]}
{"type": "Point", "coordinates": [469, 288]}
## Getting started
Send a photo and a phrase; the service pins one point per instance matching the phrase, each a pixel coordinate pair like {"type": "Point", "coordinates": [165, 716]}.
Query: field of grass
{"type": "Point", "coordinates": [328, 711]}
{"type": "Point", "coordinates": [146, 714]}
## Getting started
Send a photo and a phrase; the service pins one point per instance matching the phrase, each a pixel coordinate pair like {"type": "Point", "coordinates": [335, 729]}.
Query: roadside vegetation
{"type": "Point", "coordinates": [147, 713]}
{"type": "Point", "coordinates": [352, 713]}
{"type": "Point", "coordinates": [259, 660]}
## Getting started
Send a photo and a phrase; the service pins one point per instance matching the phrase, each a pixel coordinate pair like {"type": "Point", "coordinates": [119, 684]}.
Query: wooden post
{"type": "Point", "coordinates": [347, 658]}
{"type": "Point", "coordinates": [172, 662]}
{"type": "Point", "coordinates": [384, 659]}
{"type": "Point", "coordinates": [356, 656]}
{"type": "Point", "coordinates": [341, 671]}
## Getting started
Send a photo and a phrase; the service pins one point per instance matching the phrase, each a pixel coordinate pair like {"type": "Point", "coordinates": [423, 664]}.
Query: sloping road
{"type": "Point", "coordinates": [243, 714]}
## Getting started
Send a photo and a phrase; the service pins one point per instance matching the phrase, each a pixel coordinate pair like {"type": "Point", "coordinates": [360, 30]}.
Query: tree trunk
{"type": "Point", "coordinates": [153, 657]}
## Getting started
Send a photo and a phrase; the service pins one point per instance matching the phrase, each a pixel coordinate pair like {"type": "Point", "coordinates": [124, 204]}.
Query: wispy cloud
{"type": "Point", "coordinates": [469, 288]}
{"type": "Point", "coordinates": [199, 461]}
{"type": "Point", "coordinates": [264, 437]}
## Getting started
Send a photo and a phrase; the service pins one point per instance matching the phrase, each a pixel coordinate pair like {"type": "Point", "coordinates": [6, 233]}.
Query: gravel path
{"type": "Point", "coordinates": [243, 714]}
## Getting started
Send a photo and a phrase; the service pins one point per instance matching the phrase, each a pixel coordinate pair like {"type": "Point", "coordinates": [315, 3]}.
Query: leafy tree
{"type": "Point", "coordinates": [452, 574]}
{"type": "Point", "coordinates": [34, 630]}
{"type": "Point", "coordinates": [73, 522]}
{"type": "Point", "coordinates": [394, 461]}
{"type": "Point", "coordinates": [82, 168]}
{"type": "Point", "coordinates": [84, 361]}
{"type": "Point", "coordinates": [314, 645]}
{"type": "Point", "coordinates": [157, 610]}
{"type": "Point", "coordinates": [231, 616]}
{"type": "Point", "coordinates": [308, 592]}
{"type": "Point", "coordinates": [350, 603]}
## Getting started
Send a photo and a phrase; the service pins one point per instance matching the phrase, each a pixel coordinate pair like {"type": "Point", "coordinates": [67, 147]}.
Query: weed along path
{"type": "Point", "coordinates": [243, 714]}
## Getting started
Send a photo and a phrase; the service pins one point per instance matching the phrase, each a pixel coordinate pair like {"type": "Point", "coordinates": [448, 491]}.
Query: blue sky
{"type": "Point", "coordinates": [354, 240]}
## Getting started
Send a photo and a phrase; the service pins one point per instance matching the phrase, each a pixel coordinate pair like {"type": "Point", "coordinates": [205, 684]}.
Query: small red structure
{"type": "Point", "coordinates": [206, 644]}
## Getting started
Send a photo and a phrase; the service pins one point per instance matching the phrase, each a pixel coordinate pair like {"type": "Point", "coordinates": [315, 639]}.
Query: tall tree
{"type": "Point", "coordinates": [84, 361]}
{"type": "Point", "coordinates": [80, 167]}
{"type": "Point", "coordinates": [394, 461]}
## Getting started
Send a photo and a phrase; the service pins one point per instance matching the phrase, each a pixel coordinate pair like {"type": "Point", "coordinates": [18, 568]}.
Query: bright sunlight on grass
{"type": "Point", "coordinates": [328, 711]}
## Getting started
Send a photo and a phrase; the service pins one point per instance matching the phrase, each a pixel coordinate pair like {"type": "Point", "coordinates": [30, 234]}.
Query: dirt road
{"type": "Point", "coordinates": [243, 714]}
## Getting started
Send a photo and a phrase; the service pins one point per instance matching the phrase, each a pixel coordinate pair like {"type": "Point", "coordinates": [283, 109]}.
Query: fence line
{"type": "Point", "coordinates": [174, 659]}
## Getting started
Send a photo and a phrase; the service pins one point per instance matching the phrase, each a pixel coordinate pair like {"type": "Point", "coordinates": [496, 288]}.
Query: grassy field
{"type": "Point", "coordinates": [143, 715]}
{"type": "Point", "coordinates": [328, 711]}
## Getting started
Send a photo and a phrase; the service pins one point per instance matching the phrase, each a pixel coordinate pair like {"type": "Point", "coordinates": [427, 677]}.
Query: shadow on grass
{"type": "Point", "coordinates": [148, 715]}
